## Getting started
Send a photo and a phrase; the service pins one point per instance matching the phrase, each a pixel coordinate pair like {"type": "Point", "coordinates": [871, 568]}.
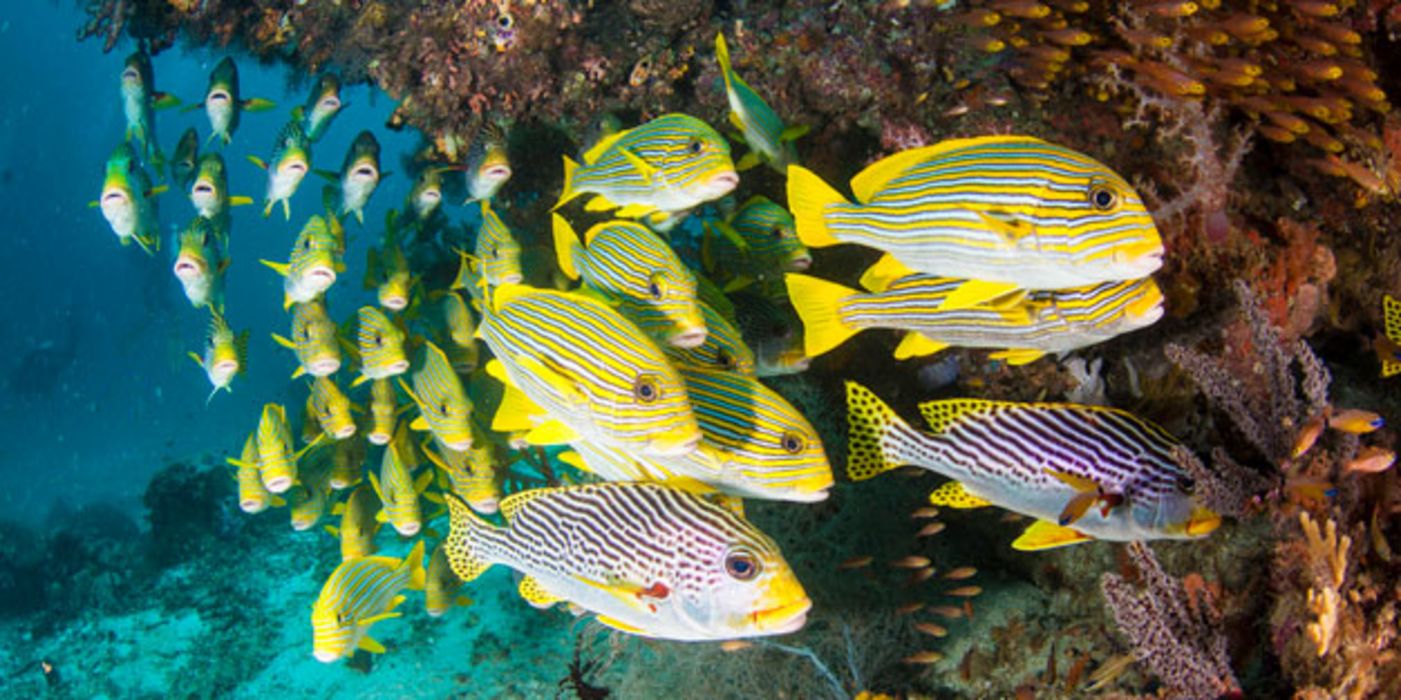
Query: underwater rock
{"type": "Point", "coordinates": [187, 510]}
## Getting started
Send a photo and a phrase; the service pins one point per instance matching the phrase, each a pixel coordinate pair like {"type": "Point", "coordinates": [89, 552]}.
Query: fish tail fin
{"type": "Point", "coordinates": [570, 168]}
{"type": "Point", "coordinates": [809, 197]}
{"type": "Point", "coordinates": [819, 304]}
{"type": "Point", "coordinates": [566, 247]}
{"type": "Point", "coordinates": [871, 426]}
{"type": "Point", "coordinates": [148, 243]}
{"type": "Point", "coordinates": [414, 563]}
{"type": "Point", "coordinates": [464, 543]}
{"type": "Point", "coordinates": [722, 56]}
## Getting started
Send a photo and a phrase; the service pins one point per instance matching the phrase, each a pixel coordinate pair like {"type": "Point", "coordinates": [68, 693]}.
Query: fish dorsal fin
{"type": "Point", "coordinates": [1016, 357]}
{"type": "Point", "coordinates": [605, 143]}
{"type": "Point", "coordinates": [506, 293]}
{"type": "Point", "coordinates": [635, 211]}
{"type": "Point", "coordinates": [1391, 310]}
{"type": "Point", "coordinates": [975, 292]}
{"type": "Point", "coordinates": [954, 495]}
{"type": "Point", "coordinates": [942, 415]}
{"type": "Point", "coordinates": [497, 371]}
{"type": "Point", "coordinates": [551, 432]}
{"type": "Point", "coordinates": [878, 277]}
{"type": "Point", "coordinates": [794, 132]}
{"type": "Point", "coordinates": [567, 246]}
{"type": "Point", "coordinates": [599, 203]}
{"type": "Point", "coordinates": [1044, 534]}
{"type": "Point", "coordinates": [878, 174]}
{"type": "Point", "coordinates": [370, 645]}
{"type": "Point", "coordinates": [512, 504]}
{"type": "Point", "coordinates": [535, 594]}
{"type": "Point", "coordinates": [574, 459]}
{"type": "Point", "coordinates": [917, 345]}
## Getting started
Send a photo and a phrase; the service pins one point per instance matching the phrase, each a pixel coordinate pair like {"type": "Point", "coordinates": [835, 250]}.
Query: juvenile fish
{"type": "Point", "coordinates": [381, 346]}
{"type": "Point", "coordinates": [291, 161]}
{"type": "Point", "coordinates": [312, 265]}
{"type": "Point", "coordinates": [769, 141]}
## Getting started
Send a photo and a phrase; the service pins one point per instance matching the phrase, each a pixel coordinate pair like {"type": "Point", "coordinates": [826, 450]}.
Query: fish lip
{"type": "Point", "coordinates": [302, 525]}
{"type": "Point", "coordinates": [279, 484]}
{"type": "Point", "coordinates": [497, 172]}
{"type": "Point", "coordinates": [216, 96]}
{"type": "Point", "coordinates": [512, 278]}
{"type": "Point", "coordinates": [408, 529]}
{"type": "Point", "coordinates": [485, 506]}
{"type": "Point", "coordinates": [339, 484]}
{"type": "Point", "coordinates": [325, 656]}
{"type": "Point", "coordinates": [379, 439]}
{"type": "Point", "coordinates": [783, 619]}
{"type": "Point", "coordinates": [458, 445]}
{"type": "Point", "coordinates": [131, 74]}
{"type": "Point", "coordinates": [394, 303]}
{"type": "Point", "coordinates": [229, 366]}
{"type": "Point", "coordinates": [323, 368]}
{"type": "Point", "coordinates": [365, 172]}
{"type": "Point", "coordinates": [329, 103]}
{"type": "Point", "coordinates": [345, 432]}
{"type": "Point", "coordinates": [295, 167]}
{"type": "Point", "coordinates": [252, 505]}
{"type": "Point", "coordinates": [689, 338]}
{"type": "Point", "coordinates": [185, 268]}
{"type": "Point", "coordinates": [809, 495]}
{"type": "Point", "coordinates": [724, 182]}
{"type": "Point", "coordinates": [202, 188]}
{"type": "Point", "coordinates": [398, 367]}
{"type": "Point", "coordinates": [113, 196]}
{"type": "Point", "coordinates": [324, 273]}
{"type": "Point", "coordinates": [799, 263]}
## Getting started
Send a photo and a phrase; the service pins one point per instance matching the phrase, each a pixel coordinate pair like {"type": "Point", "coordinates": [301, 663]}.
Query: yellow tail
{"type": "Point", "coordinates": [869, 422]}
{"type": "Point", "coordinates": [819, 304]}
{"type": "Point", "coordinates": [570, 167]}
{"type": "Point", "coordinates": [460, 546]}
{"type": "Point", "coordinates": [808, 199]}
{"type": "Point", "coordinates": [566, 247]}
{"type": "Point", "coordinates": [414, 563]}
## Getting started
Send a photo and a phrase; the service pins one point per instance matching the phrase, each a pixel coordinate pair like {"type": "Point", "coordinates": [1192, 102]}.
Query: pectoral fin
{"type": "Point", "coordinates": [1047, 535]}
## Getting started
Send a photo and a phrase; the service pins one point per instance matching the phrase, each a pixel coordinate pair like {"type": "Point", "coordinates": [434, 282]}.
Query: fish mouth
{"type": "Point", "coordinates": [113, 197]}
{"type": "Point", "coordinates": [131, 75]}
{"type": "Point", "coordinates": [799, 263]}
{"type": "Point", "coordinates": [783, 619]}
{"type": "Point", "coordinates": [338, 483]}
{"type": "Point", "coordinates": [396, 367]}
{"type": "Point", "coordinates": [322, 275]}
{"type": "Point", "coordinates": [394, 303]}
{"type": "Point", "coordinates": [431, 195]}
{"type": "Point", "coordinates": [295, 167]}
{"type": "Point", "coordinates": [485, 506]}
{"type": "Point", "coordinates": [724, 182]}
{"type": "Point", "coordinates": [408, 529]}
{"type": "Point", "coordinates": [459, 445]}
{"type": "Point", "coordinates": [329, 103]}
{"type": "Point", "coordinates": [325, 656]}
{"type": "Point", "coordinates": [202, 188]}
{"type": "Point", "coordinates": [279, 484]}
{"type": "Point", "coordinates": [344, 432]}
{"type": "Point", "coordinates": [497, 172]}
{"type": "Point", "coordinates": [301, 525]}
{"type": "Point", "coordinates": [225, 367]}
{"type": "Point", "coordinates": [252, 505]}
{"type": "Point", "coordinates": [379, 438]}
{"type": "Point", "coordinates": [365, 172]}
{"type": "Point", "coordinates": [322, 368]}
{"type": "Point", "coordinates": [512, 278]}
{"type": "Point", "coordinates": [689, 338]}
{"type": "Point", "coordinates": [216, 97]}
{"type": "Point", "coordinates": [187, 268]}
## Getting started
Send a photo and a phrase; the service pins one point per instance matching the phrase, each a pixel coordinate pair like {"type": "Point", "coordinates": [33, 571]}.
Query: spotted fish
{"type": "Point", "coordinates": [1041, 322]}
{"type": "Point", "coordinates": [1039, 459]}
{"type": "Point", "coordinates": [1005, 212]}
{"type": "Point", "coordinates": [647, 559]}
{"type": "Point", "coordinates": [762, 129]}
{"type": "Point", "coordinates": [359, 593]}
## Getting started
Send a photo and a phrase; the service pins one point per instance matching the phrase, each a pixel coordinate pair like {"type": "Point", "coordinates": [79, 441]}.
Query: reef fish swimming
{"type": "Point", "coordinates": [291, 161]}
{"type": "Point", "coordinates": [1051, 461]}
{"type": "Point", "coordinates": [762, 129]}
{"type": "Point", "coordinates": [359, 593]}
{"type": "Point", "coordinates": [648, 559]}
{"type": "Point", "coordinates": [312, 266]}
{"type": "Point", "coordinates": [223, 103]}
{"type": "Point", "coordinates": [225, 354]}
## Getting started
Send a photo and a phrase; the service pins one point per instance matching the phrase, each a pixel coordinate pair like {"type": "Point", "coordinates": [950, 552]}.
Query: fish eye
{"type": "Point", "coordinates": [777, 233]}
{"type": "Point", "coordinates": [1185, 484]}
{"type": "Point", "coordinates": [1103, 198]}
{"type": "Point", "coordinates": [741, 566]}
{"type": "Point", "coordinates": [792, 443]}
{"type": "Point", "coordinates": [645, 389]}
{"type": "Point", "coordinates": [505, 21]}
{"type": "Point", "coordinates": [694, 146]}
{"type": "Point", "coordinates": [655, 290]}
{"type": "Point", "coordinates": [443, 408]}
{"type": "Point", "coordinates": [342, 619]}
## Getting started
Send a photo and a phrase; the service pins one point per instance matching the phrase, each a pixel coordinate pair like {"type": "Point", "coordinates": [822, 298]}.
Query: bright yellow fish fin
{"type": "Point", "coordinates": [731, 235]}
{"type": "Point", "coordinates": [809, 197]}
{"type": "Point", "coordinates": [418, 576]}
{"type": "Point", "coordinates": [284, 342]}
{"type": "Point", "coordinates": [255, 160]}
{"type": "Point", "coordinates": [569, 192]}
{"type": "Point", "coordinates": [371, 645]}
{"type": "Point", "coordinates": [599, 203]}
{"type": "Point", "coordinates": [567, 247]}
{"type": "Point", "coordinates": [941, 415]}
{"type": "Point", "coordinates": [794, 132]}
{"type": "Point", "coordinates": [620, 626]}
{"type": "Point", "coordinates": [280, 268]}
{"type": "Point", "coordinates": [645, 169]}
{"type": "Point", "coordinates": [878, 277]}
{"type": "Point", "coordinates": [551, 432]}
{"type": "Point", "coordinates": [869, 182]}
{"type": "Point", "coordinates": [195, 356]}
{"type": "Point", "coordinates": [917, 345]}
{"type": "Point", "coordinates": [240, 200]}
{"type": "Point", "coordinates": [819, 304]}
{"type": "Point", "coordinates": [1011, 228]}
{"type": "Point", "coordinates": [573, 459]}
{"type": "Point", "coordinates": [953, 495]}
{"type": "Point", "coordinates": [557, 381]}
{"type": "Point", "coordinates": [535, 594]}
{"type": "Point", "coordinates": [634, 211]}
{"type": "Point", "coordinates": [515, 412]}
{"type": "Point", "coordinates": [1391, 311]}
{"type": "Point", "coordinates": [1044, 534]}
{"type": "Point", "coordinates": [591, 156]}
{"type": "Point", "coordinates": [869, 422]}
{"type": "Point", "coordinates": [748, 161]}
{"type": "Point", "coordinates": [1017, 357]}
{"type": "Point", "coordinates": [975, 292]}
{"type": "Point", "coordinates": [420, 423]}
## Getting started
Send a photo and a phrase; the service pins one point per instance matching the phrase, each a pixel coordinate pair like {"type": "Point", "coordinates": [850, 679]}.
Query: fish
{"type": "Point", "coordinates": [1006, 213]}
{"type": "Point", "coordinates": [767, 236]}
{"type": "Point", "coordinates": [670, 164]}
{"type": "Point", "coordinates": [470, 473]}
{"type": "Point", "coordinates": [769, 141]}
{"type": "Point", "coordinates": [462, 328]}
{"type": "Point", "coordinates": [200, 264]}
{"type": "Point", "coordinates": [723, 348]}
{"type": "Point", "coordinates": [1018, 456]}
{"type": "Point", "coordinates": [397, 489]}
{"type": "Point", "coordinates": [1027, 328]}
{"type": "Point", "coordinates": [628, 265]}
{"type": "Point", "coordinates": [358, 524]}
{"type": "Point", "coordinates": [717, 577]}
{"type": "Point", "coordinates": [223, 103]}
{"type": "Point", "coordinates": [443, 405]}
{"type": "Point", "coordinates": [780, 355]}
{"type": "Point", "coordinates": [309, 496]}
{"type": "Point", "coordinates": [755, 444]}
{"type": "Point", "coordinates": [253, 496]}
{"type": "Point", "coordinates": [426, 195]}
{"type": "Point", "coordinates": [1355, 421]}
{"type": "Point", "coordinates": [322, 106]}
{"type": "Point", "coordinates": [313, 339]}
{"type": "Point", "coordinates": [290, 162]}
{"type": "Point", "coordinates": [331, 408]}
{"type": "Point", "coordinates": [140, 100]}
{"type": "Point", "coordinates": [387, 270]}
{"type": "Point", "coordinates": [440, 593]}
{"type": "Point", "coordinates": [128, 200]}
{"type": "Point", "coordinates": [209, 191]}
{"type": "Point", "coordinates": [360, 175]}
{"type": "Point", "coordinates": [497, 251]}
{"type": "Point", "coordinates": [384, 412]}
{"type": "Point", "coordinates": [277, 460]}
{"type": "Point", "coordinates": [488, 165]}
{"type": "Point", "coordinates": [185, 160]}
{"type": "Point", "coordinates": [312, 266]}
{"type": "Point", "coordinates": [381, 346]}
{"type": "Point", "coordinates": [594, 374]}
{"type": "Point", "coordinates": [359, 593]}
{"type": "Point", "coordinates": [347, 462]}
{"type": "Point", "coordinates": [225, 354]}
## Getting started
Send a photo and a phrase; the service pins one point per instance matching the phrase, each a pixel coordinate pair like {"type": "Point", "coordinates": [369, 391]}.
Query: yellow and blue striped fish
{"type": "Point", "coordinates": [347, 463]}
{"type": "Point", "coordinates": [359, 593]}
{"type": "Point", "coordinates": [358, 523]}
{"type": "Point", "coordinates": [1041, 322]}
{"type": "Point", "coordinates": [755, 445]}
{"type": "Point", "coordinates": [596, 546]}
{"type": "Point", "coordinates": [384, 411]}
{"type": "Point", "coordinates": [381, 346]}
{"type": "Point", "coordinates": [312, 265]}
{"type": "Point", "coordinates": [631, 266]}
{"type": "Point", "coordinates": [443, 405]}
{"type": "Point", "coordinates": [200, 262]}
{"type": "Point", "coordinates": [669, 164]}
{"type": "Point", "coordinates": [225, 354]}
{"type": "Point", "coordinates": [440, 590]}
{"type": "Point", "coordinates": [497, 251]}
{"type": "Point", "coordinates": [314, 340]}
{"type": "Point", "coordinates": [770, 236]}
{"type": "Point", "coordinates": [723, 347]}
{"type": "Point", "coordinates": [1041, 460]}
{"type": "Point", "coordinates": [488, 164]}
{"type": "Point", "coordinates": [387, 270]}
{"type": "Point", "coordinates": [470, 474]}
{"type": "Point", "coordinates": [763, 130]}
{"type": "Point", "coordinates": [331, 408]}
{"type": "Point", "coordinates": [594, 374]}
{"type": "Point", "coordinates": [397, 488]}
{"type": "Point", "coordinates": [277, 460]}
{"type": "Point", "coordinates": [1005, 212]}
{"type": "Point", "coordinates": [253, 496]}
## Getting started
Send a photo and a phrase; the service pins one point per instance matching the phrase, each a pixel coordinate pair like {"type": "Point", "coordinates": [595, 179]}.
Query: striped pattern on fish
{"type": "Point", "coordinates": [314, 340]}
{"type": "Point", "coordinates": [723, 347]}
{"type": "Point", "coordinates": [443, 404]}
{"type": "Point", "coordinates": [359, 593]}
{"type": "Point", "coordinates": [497, 250]}
{"type": "Point", "coordinates": [381, 346]}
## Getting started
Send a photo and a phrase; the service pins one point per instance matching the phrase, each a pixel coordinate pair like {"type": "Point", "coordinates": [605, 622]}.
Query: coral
{"type": "Point", "coordinates": [1178, 636]}
{"type": "Point", "coordinates": [188, 508]}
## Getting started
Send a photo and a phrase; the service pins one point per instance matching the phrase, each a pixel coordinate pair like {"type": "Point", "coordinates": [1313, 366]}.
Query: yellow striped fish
{"type": "Point", "coordinates": [312, 266]}
{"type": "Point", "coordinates": [253, 496]}
{"type": "Point", "coordinates": [387, 270]}
{"type": "Point", "coordinates": [277, 460]}
{"type": "Point", "coordinates": [1084, 472]}
{"type": "Point", "coordinates": [497, 251]}
{"type": "Point", "coordinates": [225, 354]}
{"type": "Point", "coordinates": [358, 524]}
{"type": "Point", "coordinates": [381, 345]}
{"type": "Point", "coordinates": [1041, 322]}
{"type": "Point", "coordinates": [397, 488]}
{"type": "Point", "coordinates": [755, 445]}
{"type": "Point", "coordinates": [347, 463]}
{"type": "Point", "coordinates": [331, 408]}
{"type": "Point", "coordinates": [384, 411]}
{"type": "Point", "coordinates": [470, 474]}
{"type": "Point", "coordinates": [440, 591]}
{"type": "Point", "coordinates": [443, 405]}
{"type": "Point", "coordinates": [670, 164]}
{"type": "Point", "coordinates": [1005, 212]}
{"type": "Point", "coordinates": [753, 249]}
{"type": "Point", "coordinates": [763, 130]}
{"type": "Point", "coordinates": [723, 347]}
{"type": "Point", "coordinates": [313, 489]}
{"type": "Point", "coordinates": [595, 375]}
{"type": "Point", "coordinates": [719, 577]}
{"type": "Point", "coordinates": [313, 339]}
{"type": "Point", "coordinates": [127, 201]}
{"type": "Point", "coordinates": [630, 266]}
{"type": "Point", "coordinates": [359, 593]}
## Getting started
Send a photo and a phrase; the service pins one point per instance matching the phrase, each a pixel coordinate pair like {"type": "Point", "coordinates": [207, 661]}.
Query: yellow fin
{"type": "Point", "coordinates": [808, 198]}
{"type": "Point", "coordinates": [876, 175]}
{"type": "Point", "coordinates": [1017, 357]}
{"type": "Point", "coordinates": [462, 556]}
{"type": "Point", "coordinates": [418, 576]}
{"type": "Point", "coordinates": [794, 132]}
{"type": "Point", "coordinates": [569, 192]}
{"type": "Point", "coordinates": [645, 169]}
{"type": "Point", "coordinates": [1391, 312]}
{"type": "Point", "coordinates": [917, 345]}
{"type": "Point", "coordinates": [819, 304]}
{"type": "Point", "coordinates": [420, 423]}
{"type": "Point", "coordinates": [195, 356]}
{"type": "Point", "coordinates": [556, 380]}
{"type": "Point", "coordinates": [573, 459]}
{"type": "Point", "coordinates": [975, 292]}
{"type": "Point", "coordinates": [280, 268]}
{"type": "Point", "coordinates": [515, 412]}
{"type": "Point", "coordinates": [620, 626]}
{"type": "Point", "coordinates": [599, 203]}
{"type": "Point", "coordinates": [370, 645]}
{"type": "Point", "coordinates": [591, 156]}
{"type": "Point", "coordinates": [240, 200]}
{"type": "Point", "coordinates": [566, 247]}
{"type": "Point", "coordinates": [748, 161]}
{"type": "Point", "coordinates": [869, 420]}
{"type": "Point", "coordinates": [535, 594]}
{"type": "Point", "coordinates": [634, 211]}
{"type": "Point", "coordinates": [953, 495]}
{"type": "Point", "coordinates": [1013, 229]}
{"type": "Point", "coordinates": [551, 432]}
{"type": "Point", "coordinates": [1043, 534]}
{"type": "Point", "coordinates": [284, 342]}
{"type": "Point", "coordinates": [877, 278]}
